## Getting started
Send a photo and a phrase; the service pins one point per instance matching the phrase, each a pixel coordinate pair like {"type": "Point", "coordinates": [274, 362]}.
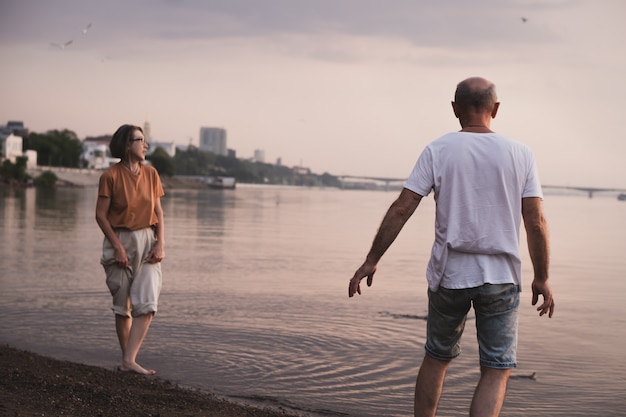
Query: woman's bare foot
{"type": "Point", "coordinates": [136, 368]}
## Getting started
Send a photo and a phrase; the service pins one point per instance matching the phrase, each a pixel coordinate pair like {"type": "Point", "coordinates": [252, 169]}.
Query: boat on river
{"type": "Point", "coordinates": [221, 182]}
{"type": "Point", "coordinates": [621, 197]}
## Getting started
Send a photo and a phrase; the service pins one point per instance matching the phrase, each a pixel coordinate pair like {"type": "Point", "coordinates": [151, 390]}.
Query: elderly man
{"type": "Point", "coordinates": [483, 184]}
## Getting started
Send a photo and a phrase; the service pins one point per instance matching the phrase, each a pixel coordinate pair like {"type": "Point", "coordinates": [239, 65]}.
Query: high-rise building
{"type": "Point", "coordinates": [259, 155]}
{"type": "Point", "coordinates": [213, 139]}
{"type": "Point", "coordinates": [147, 134]}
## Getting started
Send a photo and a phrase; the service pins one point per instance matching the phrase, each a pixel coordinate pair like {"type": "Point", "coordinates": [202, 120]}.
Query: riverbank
{"type": "Point", "coordinates": [35, 385]}
{"type": "Point", "coordinates": [73, 177]}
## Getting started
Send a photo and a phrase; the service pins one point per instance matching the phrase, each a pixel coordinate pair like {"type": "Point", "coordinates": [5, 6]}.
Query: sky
{"type": "Point", "coordinates": [348, 87]}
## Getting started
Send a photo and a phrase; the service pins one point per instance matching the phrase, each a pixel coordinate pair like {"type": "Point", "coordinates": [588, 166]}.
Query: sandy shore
{"type": "Point", "coordinates": [33, 385]}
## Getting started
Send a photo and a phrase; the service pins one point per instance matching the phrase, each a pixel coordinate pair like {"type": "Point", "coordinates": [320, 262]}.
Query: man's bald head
{"type": "Point", "coordinates": [475, 94]}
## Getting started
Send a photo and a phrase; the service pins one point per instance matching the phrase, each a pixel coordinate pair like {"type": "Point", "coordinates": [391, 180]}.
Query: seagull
{"type": "Point", "coordinates": [62, 45]}
{"type": "Point", "coordinates": [524, 20]}
{"type": "Point", "coordinates": [86, 28]}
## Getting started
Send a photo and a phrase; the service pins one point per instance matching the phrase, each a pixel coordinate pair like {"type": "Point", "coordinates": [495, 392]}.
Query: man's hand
{"type": "Point", "coordinates": [365, 270]}
{"type": "Point", "coordinates": [548, 302]}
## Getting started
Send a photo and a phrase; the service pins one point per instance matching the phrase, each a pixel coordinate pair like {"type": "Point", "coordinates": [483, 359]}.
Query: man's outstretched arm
{"type": "Point", "coordinates": [538, 247]}
{"type": "Point", "coordinates": [399, 212]}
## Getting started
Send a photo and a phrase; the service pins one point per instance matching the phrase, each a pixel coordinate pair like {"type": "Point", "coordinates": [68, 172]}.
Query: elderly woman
{"type": "Point", "coordinates": [129, 213]}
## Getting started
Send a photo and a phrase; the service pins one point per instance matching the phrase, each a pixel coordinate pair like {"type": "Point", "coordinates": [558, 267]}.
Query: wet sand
{"type": "Point", "coordinates": [33, 385]}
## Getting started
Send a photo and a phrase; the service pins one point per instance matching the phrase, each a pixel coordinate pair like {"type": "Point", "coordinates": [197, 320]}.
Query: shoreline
{"type": "Point", "coordinates": [70, 177]}
{"type": "Point", "coordinates": [31, 384]}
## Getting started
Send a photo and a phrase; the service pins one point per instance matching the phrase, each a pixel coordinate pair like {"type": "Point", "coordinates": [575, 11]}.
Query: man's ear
{"type": "Point", "coordinates": [454, 109]}
{"type": "Point", "coordinates": [496, 106]}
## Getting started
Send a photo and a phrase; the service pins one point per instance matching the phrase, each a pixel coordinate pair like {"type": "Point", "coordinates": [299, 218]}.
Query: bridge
{"type": "Point", "coordinates": [385, 180]}
{"type": "Point", "coordinates": [589, 190]}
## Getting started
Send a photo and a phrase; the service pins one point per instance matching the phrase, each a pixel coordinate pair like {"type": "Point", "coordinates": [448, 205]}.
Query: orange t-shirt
{"type": "Point", "coordinates": [133, 197]}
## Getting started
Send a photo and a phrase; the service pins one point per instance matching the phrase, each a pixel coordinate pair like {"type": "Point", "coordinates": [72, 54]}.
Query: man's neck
{"type": "Point", "coordinates": [476, 125]}
{"type": "Point", "coordinates": [476, 129]}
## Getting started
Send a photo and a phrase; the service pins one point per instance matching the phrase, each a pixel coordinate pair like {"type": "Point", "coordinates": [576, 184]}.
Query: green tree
{"type": "Point", "coordinates": [162, 162]}
{"type": "Point", "coordinates": [329, 180]}
{"type": "Point", "coordinates": [7, 170]}
{"type": "Point", "coordinates": [196, 162]}
{"type": "Point", "coordinates": [20, 168]}
{"type": "Point", "coordinates": [193, 162]}
{"type": "Point", "coordinates": [243, 171]}
{"type": "Point", "coordinates": [47, 179]}
{"type": "Point", "coordinates": [55, 148]}
{"type": "Point", "coordinates": [10, 171]}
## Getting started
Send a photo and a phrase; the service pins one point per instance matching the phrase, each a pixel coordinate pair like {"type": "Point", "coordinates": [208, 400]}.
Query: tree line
{"type": "Point", "coordinates": [62, 148]}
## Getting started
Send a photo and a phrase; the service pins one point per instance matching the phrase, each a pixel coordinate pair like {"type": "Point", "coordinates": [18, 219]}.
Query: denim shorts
{"type": "Point", "coordinates": [496, 309]}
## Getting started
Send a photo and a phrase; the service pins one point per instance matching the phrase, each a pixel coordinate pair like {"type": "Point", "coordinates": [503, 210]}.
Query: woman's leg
{"type": "Point", "coordinates": [133, 331]}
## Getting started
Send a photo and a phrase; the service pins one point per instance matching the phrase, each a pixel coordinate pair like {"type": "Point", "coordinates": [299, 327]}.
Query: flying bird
{"type": "Point", "coordinates": [86, 28]}
{"type": "Point", "coordinates": [62, 45]}
{"type": "Point", "coordinates": [524, 20]}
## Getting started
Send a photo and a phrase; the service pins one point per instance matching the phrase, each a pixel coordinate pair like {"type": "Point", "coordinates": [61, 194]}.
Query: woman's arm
{"type": "Point", "coordinates": [157, 253]}
{"type": "Point", "coordinates": [102, 209]}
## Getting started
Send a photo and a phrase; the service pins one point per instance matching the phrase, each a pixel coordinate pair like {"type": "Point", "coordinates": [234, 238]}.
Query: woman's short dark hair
{"type": "Point", "coordinates": [120, 140]}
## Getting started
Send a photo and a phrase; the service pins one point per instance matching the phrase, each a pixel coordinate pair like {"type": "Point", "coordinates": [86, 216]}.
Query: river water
{"type": "Point", "coordinates": [254, 303]}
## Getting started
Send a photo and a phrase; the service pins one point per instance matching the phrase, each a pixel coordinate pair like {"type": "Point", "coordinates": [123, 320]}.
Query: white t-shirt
{"type": "Point", "coordinates": [479, 180]}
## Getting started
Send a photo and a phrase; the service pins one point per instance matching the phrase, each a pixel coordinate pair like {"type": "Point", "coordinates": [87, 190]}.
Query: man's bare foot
{"type": "Point", "coordinates": [136, 368]}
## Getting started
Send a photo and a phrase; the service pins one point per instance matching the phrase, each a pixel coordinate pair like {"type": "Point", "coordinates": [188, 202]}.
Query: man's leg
{"type": "Point", "coordinates": [490, 392]}
{"type": "Point", "coordinates": [429, 385]}
{"type": "Point", "coordinates": [447, 312]}
{"type": "Point", "coordinates": [496, 309]}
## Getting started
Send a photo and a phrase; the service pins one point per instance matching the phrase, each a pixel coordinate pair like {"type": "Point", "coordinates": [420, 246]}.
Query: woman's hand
{"type": "Point", "coordinates": [121, 259]}
{"type": "Point", "coordinates": [156, 254]}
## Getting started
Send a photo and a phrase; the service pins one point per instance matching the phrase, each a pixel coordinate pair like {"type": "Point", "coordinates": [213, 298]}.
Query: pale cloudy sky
{"type": "Point", "coordinates": [341, 86]}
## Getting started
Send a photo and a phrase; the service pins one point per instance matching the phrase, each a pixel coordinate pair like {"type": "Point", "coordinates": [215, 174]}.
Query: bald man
{"type": "Point", "coordinates": [483, 184]}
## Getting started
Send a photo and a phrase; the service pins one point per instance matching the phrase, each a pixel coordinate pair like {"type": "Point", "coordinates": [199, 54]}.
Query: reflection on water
{"type": "Point", "coordinates": [56, 210]}
{"type": "Point", "coordinates": [255, 304]}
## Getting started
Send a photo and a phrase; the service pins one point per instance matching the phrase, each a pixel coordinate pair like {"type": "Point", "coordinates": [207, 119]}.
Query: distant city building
{"type": "Point", "coordinates": [232, 153]}
{"type": "Point", "coordinates": [12, 143]}
{"type": "Point", "coordinates": [168, 147]}
{"type": "Point", "coordinates": [259, 155]}
{"type": "Point", "coordinates": [96, 153]}
{"type": "Point", "coordinates": [11, 146]}
{"type": "Point", "coordinates": [301, 171]}
{"type": "Point", "coordinates": [97, 140]}
{"type": "Point", "coordinates": [279, 161]}
{"type": "Point", "coordinates": [15, 127]}
{"type": "Point", "coordinates": [147, 134]}
{"type": "Point", "coordinates": [97, 157]}
{"type": "Point", "coordinates": [31, 158]}
{"type": "Point", "coordinates": [185, 148]}
{"type": "Point", "coordinates": [213, 139]}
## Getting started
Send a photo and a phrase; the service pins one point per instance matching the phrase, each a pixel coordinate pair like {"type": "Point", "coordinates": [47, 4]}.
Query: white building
{"type": "Point", "coordinates": [213, 139]}
{"type": "Point", "coordinates": [31, 158]}
{"type": "Point", "coordinates": [11, 146]}
{"type": "Point", "coordinates": [96, 156]}
{"type": "Point", "coordinates": [147, 132]}
{"type": "Point", "coordinates": [259, 155]}
{"type": "Point", "coordinates": [168, 147]}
